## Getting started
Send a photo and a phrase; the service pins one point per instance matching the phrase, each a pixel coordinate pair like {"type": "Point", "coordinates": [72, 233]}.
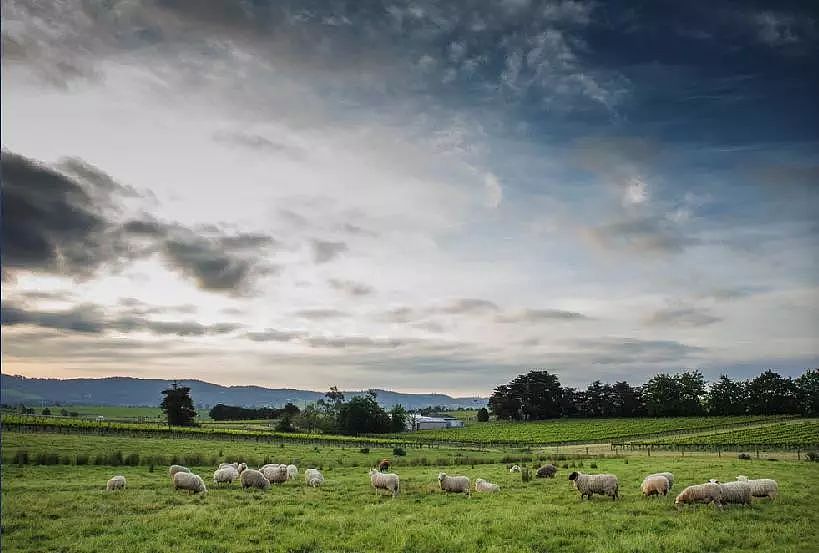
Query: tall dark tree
{"type": "Point", "coordinates": [483, 415]}
{"type": "Point", "coordinates": [503, 404]}
{"type": "Point", "coordinates": [770, 394]}
{"type": "Point", "coordinates": [398, 418]}
{"type": "Point", "coordinates": [362, 415]}
{"type": "Point", "coordinates": [692, 392]}
{"type": "Point", "coordinates": [661, 394]}
{"type": "Point", "coordinates": [178, 405]}
{"type": "Point", "coordinates": [627, 401]}
{"type": "Point", "coordinates": [727, 397]}
{"type": "Point", "coordinates": [807, 393]}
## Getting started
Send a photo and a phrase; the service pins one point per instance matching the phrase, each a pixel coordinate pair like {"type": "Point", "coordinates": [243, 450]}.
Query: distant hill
{"type": "Point", "coordinates": [141, 391]}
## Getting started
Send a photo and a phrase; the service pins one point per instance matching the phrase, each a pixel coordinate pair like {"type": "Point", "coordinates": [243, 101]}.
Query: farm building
{"type": "Point", "coordinates": [432, 423]}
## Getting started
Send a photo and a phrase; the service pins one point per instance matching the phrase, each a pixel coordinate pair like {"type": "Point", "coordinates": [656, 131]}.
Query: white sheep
{"type": "Point", "coordinates": [275, 474]}
{"type": "Point", "coordinates": [515, 468]}
{"type": "Point", "coordinates": [313, 477]}
{"type": "Point", "coordinates": [251, 478]}
{"type": "Point", "coordinates": [669, 476]}
{"type": "Point", "coordinates": [190, 482]}
{"type": "Point", "coordinates": [601, 484]}
{"type": "Point", "coordinates": [116, 483]}
{"type": "Point", "coordinates": [761, 487]}
{"type": "Point", "coordinates": [655, 484]}
{"type": "Point", "coordinates": [456, 484]}
{"type": "Point", "coordinates": [482, 485]}
{"type": "Point", "coordinates": [225, 465]}
{"type": "Point", "coordinates": [700, 493]}
{"type": "Point", "coordinates": [385, 481]}
{"type": "Point", "coordinates": [292, 472]}
{"type": "Point", "coordinates": [177, 468]}
{"type": "Point", "coordinates": [225, 475]}
{"type": "Point", "coordinates": [735, 492]}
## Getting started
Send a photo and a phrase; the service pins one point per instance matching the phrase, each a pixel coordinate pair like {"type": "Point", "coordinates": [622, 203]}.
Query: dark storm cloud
{"type": "Point", "coordinates": [614, 351]}
{"type": "Point", "coordinates": [90, 319]}
{"type": "Point", "coordinates": [682, 316]}
{"type": "Point", "coordinates": [67, 223]}
{"type": "Point", "coordinates": [537, 315]}
{"type": "Point", "coordinates": [324, 251]}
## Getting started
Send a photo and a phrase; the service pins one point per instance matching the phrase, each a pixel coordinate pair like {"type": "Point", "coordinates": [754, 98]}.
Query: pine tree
{"type": "Point", "coordinates": [178, 405]}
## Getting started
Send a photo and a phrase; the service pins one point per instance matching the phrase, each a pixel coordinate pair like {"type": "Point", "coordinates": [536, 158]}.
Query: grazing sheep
{"type": "Point", "coordinates": [275, 474]}
{"type": "Point", "coordinates": [735, 492]}
{"type": "Point", "coordinates": [669, 476]}
{"type": "Point", "coordinates": [383, 465]}
{"type": "Point", "coordinates": [761, 487]}
{"type": "Point", "coordinates": [252, 478]}
{"type": "Point", "coordinates": [482, 485]}
{"type": "Point", "coordinates": [314, 478]}
{"type": "Point", "coordinates": [225, 465]}
{"type": "Point", "coordinates": [601, 484]}
{"type": "Point", "coordinates": [292, 472]}
{"type": "Point", "coordinates": [546, 471]}
{"type": "Point", "coordinates": [225, 475]}
{"type": "Point", "coordinates": [655, 484]}
{"type": "Point", "coordinates": [456, 484]}
{"type": "Point", "coordinates": [700, 493]}
{"type": "Point", "coordinates": [188, 481]}
{"type": "Point", "coordinates": [242, 467]}
{"type": "Point", "coordinates": [385, 481]}
{"type": "Point", "coordinates": [515, 468]}
{"type": "Point", "coordinates": [177, 468]}
{"type": "Point", "coordinates": [116, 483]}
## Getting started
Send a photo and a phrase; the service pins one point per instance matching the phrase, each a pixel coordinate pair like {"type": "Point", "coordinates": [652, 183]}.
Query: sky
{"type": "Point", "coordinates": [411, 195]}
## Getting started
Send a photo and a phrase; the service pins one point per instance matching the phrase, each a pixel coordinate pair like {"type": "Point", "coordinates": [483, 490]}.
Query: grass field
{"type": "Point", "coordinates": [791, 433]}
{"type": "Point", "coordinates": [581, 430]}
{"type": "Point", "coordinates": [65, 508]}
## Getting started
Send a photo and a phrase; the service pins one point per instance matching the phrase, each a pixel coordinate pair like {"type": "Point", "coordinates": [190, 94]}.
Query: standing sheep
{"type": "Point", "coordinates": [482, 485]}
{"type": "Point", "coordinates": [762, 487]}
{"type": "Point", "coordinates": [116, 483]}
{"type": "Point", "coordinates": [292, 472]}
{"type": "Point", "coordinates": [314, 478]}
{"type": "Point", "coordinates": [383, 465]}
{"type": "Point", "coordinates": [735, 492]}
{"type": "Point", "coordinates": [252, 478]}
{"type": "Point", "coordinates": [275, 474]}
{"type": "Point", "coordinates": [385, 481]}
{"type": "Point", "coordinates": [655, 484]}
{"type": "Point", "coordinates": [190, 482]}
{"type": "Point", "coordinates": [225, 475]}
{"type": "Point", "coordinates": [514, 468]}
{"type": "Point", "coordinates": [177, 468]}
{"type": "Point", "coordinates": [546, 471]}
{"type": "Point", "coordinates": [699, 493]}
{"type": "Point", "coordinates": [456, 484]}
{"type": "Point", "coordinates": [669, 476]}
{"type": "Point", "coordinates": [590, 484]}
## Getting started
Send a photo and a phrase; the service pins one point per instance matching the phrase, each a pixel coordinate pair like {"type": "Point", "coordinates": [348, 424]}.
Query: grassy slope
{"type": "Point", "coordinates": [66, 509]}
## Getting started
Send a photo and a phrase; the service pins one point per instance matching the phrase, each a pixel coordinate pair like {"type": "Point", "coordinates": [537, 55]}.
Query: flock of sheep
{"type": "Point", "coordinates": [737, 492]}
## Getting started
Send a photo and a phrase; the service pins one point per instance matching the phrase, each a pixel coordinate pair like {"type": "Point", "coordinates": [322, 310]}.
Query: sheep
{"type": "Point", "coordinates": [225, 465]}
{"type": "Point", "coordinates": [292, 472]}
{"type": "Point", "coordinates": [699, 493]}
{"type": "Point", "coordinates": [385, 481]}
{"type": "Point", "coordinates": [189, 481]}
{"type": "Point", "coordinates": [383, 465]}
{"type": "Point", "coordinates": [116, 483]}
{"type": "Point", "coordinates": [177, 468]}
{"type": "Point", "coordinates": [655, 484]}
{"type": "Point", "coordinates": [242, 467]}
{"type": "Point", "coordinates": [275, 474]}
{"type": "Point", "coordinates": [762, 487]}
{"type": "Point", "coordinates": [735, 492]}
{"type": "Point", "coordinates": [514, 468]}
{"type": "Point", "coordinates": [456, 484]}
{"type": "Point", "coordinates": [226, 474]}
{"type": "Point", "coordinates": [482, 485]}
{"type": "Point", "coordinates": [314, 478]}
{"type": "Point", "coordinates": [590, 484]}
{"type": "Point", "coordinates": [669, 476]}
{"type": "Point", "coordinates": [546, 471]}
{"type": "Point", "coordinates": [252, 478]}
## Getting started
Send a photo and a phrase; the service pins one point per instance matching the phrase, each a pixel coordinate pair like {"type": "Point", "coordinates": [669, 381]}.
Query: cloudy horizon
{"type": "Point", "coordinates": [410, 195]}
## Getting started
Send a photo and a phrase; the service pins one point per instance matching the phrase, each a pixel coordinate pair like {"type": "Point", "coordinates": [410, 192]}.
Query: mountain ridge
{"type": "Point", "coordinates": [132, 391]}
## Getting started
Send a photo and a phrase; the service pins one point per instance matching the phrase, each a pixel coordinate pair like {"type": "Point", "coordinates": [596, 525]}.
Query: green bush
{"type": "Point", "coordinates": [744, 456]}
{"type": "Point", "coordinates": [364, 450]}
{"type": "Point", "coordinates": [812, 456]}
{"type": "Point", "coordinates": [398, 451]}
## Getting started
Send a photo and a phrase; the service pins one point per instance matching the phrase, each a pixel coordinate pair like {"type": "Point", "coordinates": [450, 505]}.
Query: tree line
{"type": "Point", "coordinates": [222, 412]}
{"type": "Point", "coordinates": [538, 395]}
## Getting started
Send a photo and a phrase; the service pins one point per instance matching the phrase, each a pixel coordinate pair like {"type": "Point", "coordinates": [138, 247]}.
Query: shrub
{"type": "Point", "coordinates": [744, 456]}
{"type": "Point", "coordinates": [398, 451]}
{"type": "Point", "coordinates": [364, 450]}
{"type": "Point", "coordinates": [625, 460]}
{"type": "Point", "coordinates": [21, 457]}
{"type": "Point", "coordinates": [565, 465]}
{"type": "Point", "coordinates": [812, 456]}
{"type": "Point", "coordinates": [593, 465]}
{"type": "Point", "coordinates": [132, 459]}
{"type": "Point", "coordinates": [82, 459]}
{"type": "Point", "coordinates": [151, 467]}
